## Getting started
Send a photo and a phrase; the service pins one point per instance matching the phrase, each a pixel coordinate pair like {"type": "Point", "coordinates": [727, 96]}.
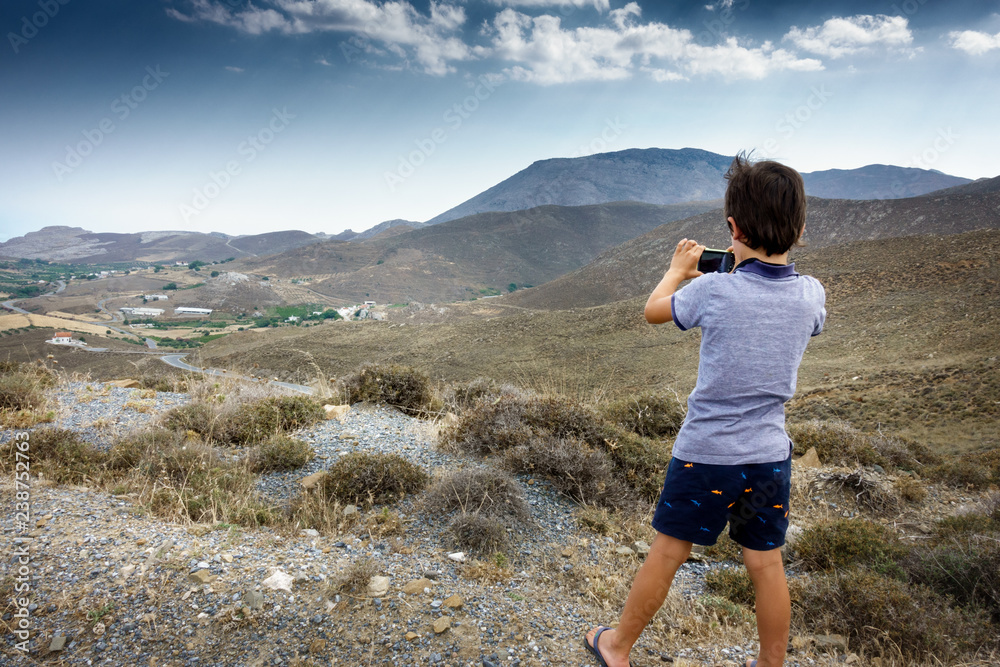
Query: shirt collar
{"type": "Point", "coordinates": [767, 270]}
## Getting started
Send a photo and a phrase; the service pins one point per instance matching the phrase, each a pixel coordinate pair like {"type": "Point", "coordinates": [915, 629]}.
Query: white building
{"type": "Point", "coordinates": [141, 312]}
{"type": "Point", "coordinates": [155, 297]}
{"type": "Point", "coordinates": [184, 310]}
{"type": "Point", "coordinates": [65, 338]}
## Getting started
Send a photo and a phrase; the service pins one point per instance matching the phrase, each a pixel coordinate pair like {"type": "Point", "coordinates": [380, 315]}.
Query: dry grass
{"type": "Point", "coordinates": [484, 491]}
{"type": "Point", "coordinates": [651, 415]}
{"type": "Point", "coordinates": [840, 443]}
{"type": "Point", "coordinates": [363, 478]}
{"type": "Point", "coordinates": [843, 543]}
{"type": "Point", "coordinates": [56, 454]}
{"type": "Point", "coordinates": [280, 452]}
{"type": "Point", "coordinates": [401, 387]}
{"type": "Point", "coordinates": [354, 579]}
{"type": "Point", "coordinates": [23, 402]}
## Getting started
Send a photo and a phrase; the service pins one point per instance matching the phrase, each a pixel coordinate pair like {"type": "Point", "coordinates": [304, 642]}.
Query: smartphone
{"type": "Point", "coordinates": [716, 261]}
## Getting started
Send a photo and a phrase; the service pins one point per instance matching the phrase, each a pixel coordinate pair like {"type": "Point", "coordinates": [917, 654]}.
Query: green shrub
{"type": "Point", "coordinates": [978, 470]}
{"type": "Point", "coordinates": [641, 462]}
{"type": "Point", "coordinates": [968, 570]}
{"type": "Point", "coordinates": [57, 454]}
{"type": "Point", "coordinates": [362, 477]}
{"type": "Point", "coordinates": [398, 386]}
{"type": "Point", "coordinates": [843, 543]}
{"type": "Point", "coordinates": [575, 469]}
{"type": "Point", "coordinates": [650, 415]}
{"type": "Point", "coordinates": [280, 452]}
{"type": "Point", "coordinates": [882, 614]}
{"type": "Point", "coordinates": [733, 583]}
{"type": "Point", "coordinates": [257, 421]}
{"type": "Point", "coordinates": [20, 392]}
{"type": "Point", "coordinates": [197, 416]}
{"type": "Point", "coordinates": [484, 491]}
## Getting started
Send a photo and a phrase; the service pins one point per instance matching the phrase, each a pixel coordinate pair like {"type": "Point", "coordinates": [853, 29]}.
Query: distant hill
{"type": "Point", "coordinates": [634, 268]}
{"type": "Point", "coordinates": [474, 256]}
{"type": "Point", "coordinates": [76, 245]}
{"type": "Point", "coordinates": [664, 176]}
{"type": "Point", "coordinates": [397, 226]}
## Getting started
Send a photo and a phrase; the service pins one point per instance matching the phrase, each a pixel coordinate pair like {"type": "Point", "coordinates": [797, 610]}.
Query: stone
{"type": "Point", "coordinates": [139, 542]}
{"type": "Point", "coordinates": [442, 624]}
{"type": "Point", "coordinates": [127, 571]}
{"type": "Point", "coordinates": [416, 586]}
{"type": "Point", "coordinates": [199, 529]}
{"type": "Point", "coordinates": [99, 629]}
{"type": "Point", "coordinates": [411, 636]}
{"type": "Point", "coordinates": [202, 576]}
{"type": "Point", "coordinates": [453, 602]}
{"type": "Point", "coordinates": [310, 482]}
{"type": "Point", "coordinates": [350, 511]}
{"type": "Point", "coordinates": [337, 411]}
{"type": "Point", "coordinates": [58, 643]}
{"type": "Point", "coordinates": [829, 643]}
{"type": "Point", "coordinates": [279, 581]}
{"type": "Point", "coordinates": [124, 384]}
{"type": "Point", "coordinates": [458, 556]}
{"type": "Point", "coordinates": [317, 646]}
{"type": "Point", "coordinates": [624, 551]}
{"type": "Point", "coordinates": [378, 586]}
{"type": "Point", "coordinates": [641, 548]}
{"type": "Point", "coordinates": [809, 460]}
{"type": "Point", "coordinates": [310, 532]}
{"type": "Point", "coordinates": [567, 552]}
{"type": "Point", "coordinates": [227, 558]}
{"type": "Point", "coordinates": [254, 599]}
{"type": "Point", "coordinates": [792, 534]}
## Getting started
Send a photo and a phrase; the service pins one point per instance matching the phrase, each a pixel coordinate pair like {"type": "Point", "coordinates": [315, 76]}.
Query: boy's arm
{"type": "Point", "coordinates": [683, 265]}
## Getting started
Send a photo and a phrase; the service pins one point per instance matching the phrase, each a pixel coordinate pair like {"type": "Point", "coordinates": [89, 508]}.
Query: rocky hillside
{"type": "Point", "coordinates": [661, 176]}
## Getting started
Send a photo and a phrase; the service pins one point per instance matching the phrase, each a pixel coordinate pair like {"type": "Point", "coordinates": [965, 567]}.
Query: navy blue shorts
{"type": "Point", "coordinates": [699, 499]}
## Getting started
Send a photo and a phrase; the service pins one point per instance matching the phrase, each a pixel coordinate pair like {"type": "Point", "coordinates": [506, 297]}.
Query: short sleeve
{"type": "Point", "coordinates": [820, 309]}
{"type": "Point", "coordinates": [686, 303]}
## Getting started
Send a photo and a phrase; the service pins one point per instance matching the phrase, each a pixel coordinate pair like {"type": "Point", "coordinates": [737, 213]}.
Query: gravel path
{"type": "Point", "coordinates": [123, 588]}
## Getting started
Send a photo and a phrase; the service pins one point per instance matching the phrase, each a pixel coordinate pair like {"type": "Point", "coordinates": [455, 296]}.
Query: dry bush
{"type": "Point", "coordinates": [228, 421]}
{"type": "Point", "coordinates": [280, 452]}
{"type": "Point", "coordinates": [842, 543]}
{"type": "Point", "coordinates": [311, 509]}
{"type": "Point", "coordinates": [484, 491]}
{"type": "Point", "coordinates": [480, 533]}
{"type": "Point", "coordinates": [22, 393]}
{"type": "Point", "coordinates": [883, 615]}
{"type": "Point", "coordinates": [967, 570]}
{"type": "Point", "coordinates": [725, 549]}
{"type": "Point", "coordinates": [651, 415]}
{"type": "Point", "coordinates": [183, 479]}
{"type": "Point", "coordinates": [977, 470]}
{"type": "Point", "coordinates": [401, 387]}
{"type": "Point", "coordinates": [460, 397]}
{"type": "Point", "coordinates": [870, 494]}
{"type": "Point", "coordinates": [733, 584]}
{"type": "Point", "coordinates": [57, 454]}
{"type": "Point", "coordinates": [365, 478]}
{"type": "Point", "coordinates": [586, 457]}
{"type": "Point", "coordinates": [839, 443]}
{"type": "Point", "coordinates": [911, 490]}
{"type": "Point", "coordinates": [354, 579]}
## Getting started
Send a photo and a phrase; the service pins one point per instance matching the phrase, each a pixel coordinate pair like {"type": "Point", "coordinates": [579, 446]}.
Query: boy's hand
{"type": "Point", "coordinates": [684, 263]}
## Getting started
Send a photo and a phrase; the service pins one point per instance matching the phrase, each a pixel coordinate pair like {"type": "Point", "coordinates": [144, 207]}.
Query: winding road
{"type": "Point", "coordinates": [177, 361]}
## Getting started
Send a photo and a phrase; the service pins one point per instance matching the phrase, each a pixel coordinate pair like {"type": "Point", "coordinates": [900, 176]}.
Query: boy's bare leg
{"type": "Point", "coordinates": [649, 590]}
{"type": "Point", "coordinates": [774, 609]}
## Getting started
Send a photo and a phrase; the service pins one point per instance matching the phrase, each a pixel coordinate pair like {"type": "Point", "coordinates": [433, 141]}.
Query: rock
{"type": "Point", "coordinates": [410, 636]}
{"type": "Point", "coordinates": [227, 558]}
{"type": "Point", "coordinates": [317, 646]}
{"type": "Point", "coordinates": [202, 576]}
{"type": "Point", "coordinates": [641, 548]}
{"type": "Point", "coordinates": [828, 643]}
{"type": "Point", "coordinates": [453, 602]}
{"type": "Point", "coordinates": [199, 529]}
{"type": "Point", "coordinates": [567, 552]}
{"type": "Point", "coordinates": [442, 624]}
{"type": "Point", "coordinates": [378, 586]}
{"type": "Point", "coordinates": [127, 571]}
{"type": "Point", "coordinates": [310, 532]}
{"type": "Point", "coordinates": [416, 586]}
{"type": "Point", "coordinates": [624, 551]}
{"type": "Point", "coordinates": [279, 581]}
{"type": "Point", "coordinates": [254, 599]}
{"type": "Point", "coordinates": [309, 482]}
{"type": "Point", "coordinates": [809, 460]}
{"type": "Point", "coordinates": [58, 643]}
{"type": "Point", "coordinates": [337, 411]}
{"type": "Point", "coordinates": [793, 533]}
{"type": "Point", "coordinates": [139, 542]}
{"type": "Point", "coordinates": [697, 554]}
{"type": "Point", "coordinates": [350, 511]}
{"type": "Point", "coordinates": [124, 384]}
{"type": "Point", "coordinates": [99, 629]}
{"type": "Point", "coordinates": [458, 556]}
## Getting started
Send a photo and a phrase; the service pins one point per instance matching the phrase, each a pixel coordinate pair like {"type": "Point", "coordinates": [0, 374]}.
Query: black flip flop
{"type": "Point", "coordinates": [596, 651]}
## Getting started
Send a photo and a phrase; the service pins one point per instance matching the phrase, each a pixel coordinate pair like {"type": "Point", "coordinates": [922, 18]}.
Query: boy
{"type": "Point", "coordinates": [732, 458]}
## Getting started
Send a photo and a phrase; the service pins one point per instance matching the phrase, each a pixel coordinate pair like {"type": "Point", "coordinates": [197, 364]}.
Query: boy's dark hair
{"type": "Point", "coordinates": [768, 201]}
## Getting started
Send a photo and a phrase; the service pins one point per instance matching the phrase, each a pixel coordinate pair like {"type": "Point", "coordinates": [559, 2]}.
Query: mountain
{"type": "Point", "coordinates": [664, 176]}
{"type": "Point", "coordinates": [634, 268]}
{"type": "Point", "coordinates": [76, 245]}
{"type": "Point", "coordinates": [478, 255]}
{"type": "Point", "coordinates": [396, 225]}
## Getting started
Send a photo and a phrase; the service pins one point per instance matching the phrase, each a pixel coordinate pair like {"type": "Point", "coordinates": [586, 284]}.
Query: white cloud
{"type": "Point", "coordinates": [238, 70]}
{"type": "Point", "coordinates": [546, 53]}
{"type": "Point", "coordinates": [397, 25]}
{"type": "Point", "coordinates": [973, 42]}
{"type": "Point", "coordinates": [324, 62]}
{"type": "Point", "coordinates": [843, 36]}
{"type": "Point", "coordinates": [599, 5]}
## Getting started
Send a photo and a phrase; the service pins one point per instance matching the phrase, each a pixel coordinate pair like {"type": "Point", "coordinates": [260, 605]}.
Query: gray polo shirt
{"type": "Point", "coordinates": [755, 324]}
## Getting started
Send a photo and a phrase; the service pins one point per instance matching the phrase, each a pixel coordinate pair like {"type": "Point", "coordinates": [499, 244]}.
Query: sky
{"type": "Point", "coordinates": [322, 115]}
